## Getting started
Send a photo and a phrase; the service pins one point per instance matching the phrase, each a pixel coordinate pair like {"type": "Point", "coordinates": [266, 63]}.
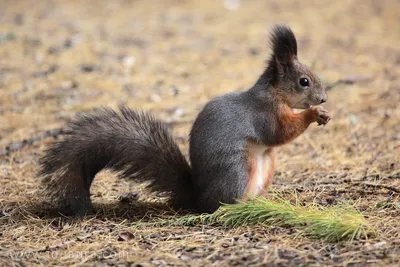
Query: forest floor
{"type": "Point", "coordinates": [59, 58]}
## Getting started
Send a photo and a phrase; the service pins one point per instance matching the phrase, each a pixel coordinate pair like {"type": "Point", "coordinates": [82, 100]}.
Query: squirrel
{"type": "Point", "coordinates": [231, 146]}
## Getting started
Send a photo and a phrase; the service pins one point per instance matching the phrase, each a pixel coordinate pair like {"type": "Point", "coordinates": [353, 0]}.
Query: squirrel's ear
{"type": "Point", "coordinates": [282, 64]}
{"type": "Point", "coordinates": [284, 47]}
{"type": "Point", "coordinates": [284, 59]}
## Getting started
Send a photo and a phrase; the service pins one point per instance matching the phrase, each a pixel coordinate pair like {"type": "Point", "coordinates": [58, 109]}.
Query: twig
{"type": "Point", "coordinates": [177, 122]}
{"type": "Point", "coordinates": [54, 247]}
{"type": "Point", "coordinates": [66, 243]}
{"type": "Point", "coordinates": [29, 141]}
{"type": "Point", "coordinates": [348, 80]}
{"type": "Point", "coordinates": [353, 183]}
{"type": "Point", "coordinates": [380, 186]}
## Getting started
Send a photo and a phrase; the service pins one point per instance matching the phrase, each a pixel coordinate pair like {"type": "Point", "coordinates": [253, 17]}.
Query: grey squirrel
{"type": "Point", "coordinates": [231, 149]}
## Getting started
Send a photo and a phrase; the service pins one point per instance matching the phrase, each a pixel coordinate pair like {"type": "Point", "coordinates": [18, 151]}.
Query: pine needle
{"type": "Point", "coordinates": [332, 224]}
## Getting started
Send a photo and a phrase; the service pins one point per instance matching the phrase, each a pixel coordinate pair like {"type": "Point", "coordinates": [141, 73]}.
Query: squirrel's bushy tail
{"type": "Point", "coordinates": [132, 143]}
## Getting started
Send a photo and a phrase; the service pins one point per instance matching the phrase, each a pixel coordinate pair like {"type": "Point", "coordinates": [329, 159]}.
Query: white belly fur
{"type": "Point", "coordinates": [263, 166]}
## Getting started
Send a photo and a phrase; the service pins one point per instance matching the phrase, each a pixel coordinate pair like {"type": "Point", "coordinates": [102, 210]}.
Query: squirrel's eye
{"type": "Point", "coordinates": [304, 82]}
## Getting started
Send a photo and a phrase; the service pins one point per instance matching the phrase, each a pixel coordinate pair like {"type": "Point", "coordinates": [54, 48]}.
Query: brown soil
{"type": "Point", "coordinates": [58, 58]}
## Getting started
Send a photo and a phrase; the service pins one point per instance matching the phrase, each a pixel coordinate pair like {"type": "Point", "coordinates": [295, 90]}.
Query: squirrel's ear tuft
{"type": "Point", "coordinates": [284, 45]}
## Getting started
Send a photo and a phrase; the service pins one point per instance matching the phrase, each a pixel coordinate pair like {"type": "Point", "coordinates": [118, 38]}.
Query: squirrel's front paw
{"type": "Point", "coordinates": [321, 115]}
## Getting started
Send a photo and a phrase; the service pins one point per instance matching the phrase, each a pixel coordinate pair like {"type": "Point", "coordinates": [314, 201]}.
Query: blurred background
{"type": "Point", "coordinates": [58, 57]}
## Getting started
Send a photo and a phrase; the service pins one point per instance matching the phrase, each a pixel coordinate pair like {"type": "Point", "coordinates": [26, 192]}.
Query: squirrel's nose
{"type": "Point", "coordinates": [324, 98]}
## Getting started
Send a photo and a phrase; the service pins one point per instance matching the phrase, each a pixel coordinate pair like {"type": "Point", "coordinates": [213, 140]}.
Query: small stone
{"type": "Point", "coordinates": [53, 50]}
{"type": "Point", "coordinates": [19, 19]}
{"type": "Point", "coordinates": [67, 43]}
{"type": "Point", "coordinates": [379, 244]}
{"type": "Point", "coordinates": [128, 197]}
{"type": "Point", "coordinates": [184, 257]}
{"type": "Point", "coordinates": [68, 85]}
{"type": "Point", "coordinates": [128, 61]}
{"type": "Point", "coordinates": [125, 236]}
{"type": "Point", "coordinates": [232, 4]}
{"type": "Point", "coordinates": [254, 51]}
{"type": "Point", "coordinates": [179, 111]}
{"type": "Point", "coordinates": [173, 90]}
{"type": "Point", "coordinates": [155, 98]}
{"type": "Point", "coordinates": [88, 68]}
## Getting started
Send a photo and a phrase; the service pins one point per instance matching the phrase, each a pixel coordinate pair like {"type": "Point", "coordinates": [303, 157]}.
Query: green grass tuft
{"type": "Point", "coordinates": [332, 224]}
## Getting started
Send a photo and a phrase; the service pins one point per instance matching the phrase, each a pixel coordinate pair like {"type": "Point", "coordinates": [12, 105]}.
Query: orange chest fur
{"type": "Point", "coordinates": [260, 160]}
